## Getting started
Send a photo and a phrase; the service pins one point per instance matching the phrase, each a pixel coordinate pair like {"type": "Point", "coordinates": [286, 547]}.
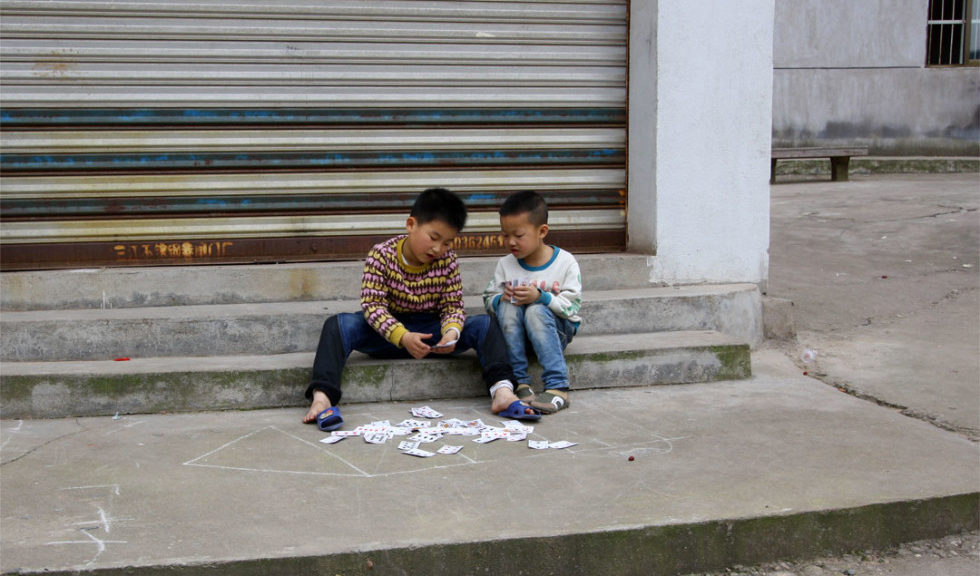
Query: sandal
{"type": "Point", "coordinates": [525, 392]}
{"type": "Point", "coordinates": [520, 411]}
{"type": "Point", "coordinates": [329, 419]}
{"type": "Point", "coordinates": [551, 401]}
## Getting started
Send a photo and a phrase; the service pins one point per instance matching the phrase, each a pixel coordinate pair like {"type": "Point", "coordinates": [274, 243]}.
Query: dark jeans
{"type": "Point", "coordinates": [347, 332]}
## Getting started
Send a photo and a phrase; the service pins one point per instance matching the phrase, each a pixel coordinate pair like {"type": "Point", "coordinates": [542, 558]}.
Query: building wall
{"type": "Point", "coordinates": [854, 72]}
{"type": "Point", "coordinates": [699, 136]}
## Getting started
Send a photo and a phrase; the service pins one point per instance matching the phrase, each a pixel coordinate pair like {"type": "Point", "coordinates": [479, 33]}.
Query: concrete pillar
{"type": "Point", "coordinates": [700, 124]}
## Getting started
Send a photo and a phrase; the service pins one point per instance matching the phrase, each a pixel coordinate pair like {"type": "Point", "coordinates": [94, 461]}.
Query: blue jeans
{"type": "Point", "coordinates": [548, 335]}
{"type": "Point", "coordinates": [347, 332]}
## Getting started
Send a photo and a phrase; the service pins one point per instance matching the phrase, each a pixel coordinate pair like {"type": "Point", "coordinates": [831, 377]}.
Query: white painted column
{"type": "Point", "coordinates": [699, 137]}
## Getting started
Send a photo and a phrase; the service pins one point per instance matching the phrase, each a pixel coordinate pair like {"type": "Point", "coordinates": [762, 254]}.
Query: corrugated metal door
{"type": "Point", "coordinates": [202, 131]}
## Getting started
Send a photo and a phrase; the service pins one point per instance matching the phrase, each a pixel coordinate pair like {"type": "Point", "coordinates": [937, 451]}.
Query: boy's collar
{"type": "Point", "coordinates": [399, 249]}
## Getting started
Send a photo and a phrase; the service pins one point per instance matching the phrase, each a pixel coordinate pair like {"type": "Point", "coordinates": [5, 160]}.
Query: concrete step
{"type": "Point", "coordinates": [175, 384]}
{"type": "Point", "coordinates": [291, 327]}
{"type": "Point", "coordinates": [105, 288]}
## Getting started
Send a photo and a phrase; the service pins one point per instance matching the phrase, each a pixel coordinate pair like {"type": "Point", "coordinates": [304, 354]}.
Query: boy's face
{"type": "Point", "coordinates": [427, 242]}
{"type": "Point", "coordinates": [521, 237]}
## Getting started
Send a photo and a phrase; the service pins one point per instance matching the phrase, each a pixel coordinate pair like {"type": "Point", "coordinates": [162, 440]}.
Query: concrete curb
{"type": "Point", "coordinates": [640, 551]}
{"type": "Point", "coordinates": [882, 165]}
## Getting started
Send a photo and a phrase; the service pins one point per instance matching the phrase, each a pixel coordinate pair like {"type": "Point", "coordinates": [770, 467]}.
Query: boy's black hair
{"type": "Point", "coordinates": [439, 204]}
{"type": "Point", "coordinates": [529, 202]}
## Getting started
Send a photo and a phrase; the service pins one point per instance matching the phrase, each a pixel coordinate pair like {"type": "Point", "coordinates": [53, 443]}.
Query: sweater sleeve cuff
{"type": "Point", "coordinates": [453, 326]}
{"type": "Point", "coordinates": [397, 334]}
{"type": "Point", "coordinates": [544, 298]}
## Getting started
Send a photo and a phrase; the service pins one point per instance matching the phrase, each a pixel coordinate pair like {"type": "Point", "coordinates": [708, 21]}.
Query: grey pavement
{"type": "Point", "coordinates": [777, 466]}
{"type": "Point", "coordinates": [237, 491]}
{"type": "Point", "coordinates": [884, 275]}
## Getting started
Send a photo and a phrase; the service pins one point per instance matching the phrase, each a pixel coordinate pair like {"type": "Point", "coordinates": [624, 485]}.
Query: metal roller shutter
{"type": "Point", "coordinates": [203, 131]}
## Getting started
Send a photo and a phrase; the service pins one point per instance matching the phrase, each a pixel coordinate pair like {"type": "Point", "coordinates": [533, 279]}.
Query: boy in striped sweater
{"type": "Point", "coordinates": [412, 306]}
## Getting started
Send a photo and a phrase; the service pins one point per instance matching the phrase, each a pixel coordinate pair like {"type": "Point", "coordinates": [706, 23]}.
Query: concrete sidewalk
{"type": "Point", "coordinates": [777, 466]}
{"type": "Point", "coordinates": [884, 275]}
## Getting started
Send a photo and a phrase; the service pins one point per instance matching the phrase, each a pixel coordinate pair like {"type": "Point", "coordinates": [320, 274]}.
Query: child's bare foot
{"type": "Point", "coordinates": [320, 403]}
{"type": "Point", "coordinates": [503, 398]}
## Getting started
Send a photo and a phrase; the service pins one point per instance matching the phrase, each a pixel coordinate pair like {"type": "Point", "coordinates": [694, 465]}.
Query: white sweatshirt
{"type": "Point", "coordinates": [559, 281]}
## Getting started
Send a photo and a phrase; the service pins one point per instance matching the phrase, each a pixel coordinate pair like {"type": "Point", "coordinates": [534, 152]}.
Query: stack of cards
{"type": "Point", "coordinates": [379, 432]}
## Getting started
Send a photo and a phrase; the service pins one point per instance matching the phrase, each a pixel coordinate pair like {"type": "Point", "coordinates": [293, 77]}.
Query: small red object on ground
{"type": "Point", "coordinates": [631, 458]}
{"type": "Point", "coordinates": [121, 359]}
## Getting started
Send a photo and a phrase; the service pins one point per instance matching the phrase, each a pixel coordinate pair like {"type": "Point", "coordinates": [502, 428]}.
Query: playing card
{"type": "Point", "coordinates": [407, 445]}
{"type": "Point", "coordinates": [537, 444]}
{"type": "Point", "coordinates": [332, 439]}
{"type": "Point", "coordinates": [425, 412]}
{"type": "Point", "coordinates": [413, 424]}
{"type": "Point", "coordinates": [515, 426]}
{"type": "Point", "coordinates": [376, 437]}
{"type": "Point", "coordinates": [495, 432]}
{"type": "Point", "coordinates": [419, 453]}
{"type": "Point", "coordinates": [561, 444]}
{"type": "Point", "coordinates": [345, 433]}
{"type": "Point", "coordinates": [447, 449]}
{"type": "Point", "coordinates": [516, 436]}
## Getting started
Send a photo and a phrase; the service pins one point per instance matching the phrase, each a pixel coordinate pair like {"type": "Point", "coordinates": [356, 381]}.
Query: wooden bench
{"type": "Point", "coordinates": [840, 158]}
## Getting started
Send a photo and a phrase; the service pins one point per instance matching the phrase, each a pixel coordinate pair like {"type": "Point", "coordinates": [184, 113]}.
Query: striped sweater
{"type": "Point", "coordinates": [390, 287]}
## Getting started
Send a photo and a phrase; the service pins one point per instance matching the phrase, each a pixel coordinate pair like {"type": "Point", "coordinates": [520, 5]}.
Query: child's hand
{"type": "Point", "coordinates": [446, 345]}
{"type": "Point", "coordinates": [414, 342]}
{"type": "Point", "coordinates": [524, 295]}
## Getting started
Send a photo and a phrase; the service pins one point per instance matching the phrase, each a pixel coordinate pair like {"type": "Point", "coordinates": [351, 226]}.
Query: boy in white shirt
{"type": "Point", "coordinates": [536, 294]}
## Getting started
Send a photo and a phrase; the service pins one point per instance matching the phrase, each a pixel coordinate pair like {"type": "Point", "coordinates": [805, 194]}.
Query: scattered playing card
{"type": "Point", "coordinates": [537, 444]}
{"type": "Point", "coordinates": [345, 433]}
{"type": "Point", "coordinates": [406, 445]}
{"type": "Point", "coordinates": [419, 453]}
{"type": "Point", "coordinates": [376, 437]}
{"type": "Point", "coordinates": [447, 449]}
{"type": "Point", "coordinates": [561, 444]}
{"type": "Point", "coordinates": [413, 424]}
{"type": "Point", "coordinates": [494, 433]}
{"type": "Point", "coordinates": [425, 412]}
{"type": "Point", "coordinates": [485, 439]}
{"type": "Point", "coordinates": [332, 439]}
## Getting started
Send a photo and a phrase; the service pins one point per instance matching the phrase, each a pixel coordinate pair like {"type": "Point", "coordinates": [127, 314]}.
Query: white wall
{"type": "Point", "coordinates": [700, 129]}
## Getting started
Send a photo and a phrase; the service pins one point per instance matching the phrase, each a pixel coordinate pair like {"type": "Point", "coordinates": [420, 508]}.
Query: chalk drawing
{"type": "Point", "coordinates": [657, 444]}
{"type": "Point", "coordinates": [125, 426]}
{"type": "Point", "coordinates": [94, 529]}
{"type": "Point", "coordinates": [15, 429]}
{"type": "Point", "coordinates": [355, 470]}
